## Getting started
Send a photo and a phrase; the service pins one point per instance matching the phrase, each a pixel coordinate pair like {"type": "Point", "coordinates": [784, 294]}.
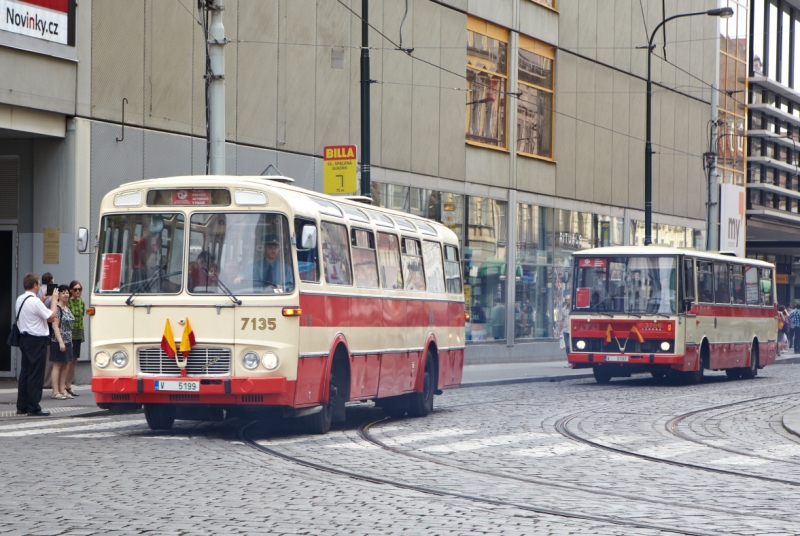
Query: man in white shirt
{"type": "Point", "coordinates": [32, 324]}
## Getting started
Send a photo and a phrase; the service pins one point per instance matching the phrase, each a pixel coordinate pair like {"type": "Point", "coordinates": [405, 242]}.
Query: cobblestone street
{"type": "Point", "coordinates": [572, 457]}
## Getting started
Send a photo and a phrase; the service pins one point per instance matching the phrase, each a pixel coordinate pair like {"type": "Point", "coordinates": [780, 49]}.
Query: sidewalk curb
{"type": "Point", "coordinates": [540, 379]}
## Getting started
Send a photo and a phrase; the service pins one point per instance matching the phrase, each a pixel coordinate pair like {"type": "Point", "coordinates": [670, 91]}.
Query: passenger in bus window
{"type": "Point", "coordinates": [198, 276]}
{"type": "Point", "coordinates": [271, 272]}
{"type": "Point", "coordinates": [232, 275]}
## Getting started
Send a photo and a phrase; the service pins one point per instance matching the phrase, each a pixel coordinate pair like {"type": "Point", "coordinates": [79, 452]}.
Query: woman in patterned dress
{"type": "Point", "coordinates": [61, 343]}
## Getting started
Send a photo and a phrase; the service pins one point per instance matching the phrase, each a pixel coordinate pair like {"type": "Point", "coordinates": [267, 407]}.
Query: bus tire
{"type": "Point", "coordinates": [320, 422]}
{"type": "Point", "coordinates": [748, 373]}
{"type": "Point", "coordinates": [159, 416]}
{"type": "Point", "coordinates": [601, 374]}
{"type": "Point", "coordinates": [421, 404]}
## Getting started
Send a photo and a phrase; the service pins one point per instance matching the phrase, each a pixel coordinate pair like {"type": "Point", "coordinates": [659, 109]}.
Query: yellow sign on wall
{"type": "Point", "coordinates": [51, 245]}
{"type": "Point", "coordinates": [782, 279]}
{"type": "Point", "coordinates": [339, 169]}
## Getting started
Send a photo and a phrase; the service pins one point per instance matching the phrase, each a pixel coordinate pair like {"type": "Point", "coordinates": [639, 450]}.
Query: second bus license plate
{"type": "Point", "coordinates": [183, 386]}
{"type": "Point", "coordinates": [617, 358]}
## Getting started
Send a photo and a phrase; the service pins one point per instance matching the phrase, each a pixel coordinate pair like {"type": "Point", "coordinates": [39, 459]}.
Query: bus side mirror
{"type": "Point", "coordinates": [308, 238]}
{"type": "Point", "coordinates": [83, 240]}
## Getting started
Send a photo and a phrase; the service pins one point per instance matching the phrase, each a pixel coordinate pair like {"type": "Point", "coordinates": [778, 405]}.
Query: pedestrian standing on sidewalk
{"type": "Point", "coordinates": [564, 319]}
{"type": "Point", "coordinates": [78, 309]}
{"type": "Point", "coordinates": [47, 279]}
{"type": "Point", "coordinates": [794, 322]}
{"type": "Point", "coordinates": [61, 342]}
{"type": "Point", "coordinates": [32, 324]}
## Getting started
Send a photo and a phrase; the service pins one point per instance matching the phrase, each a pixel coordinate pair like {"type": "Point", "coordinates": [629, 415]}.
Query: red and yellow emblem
{"type": "Point", "coordinates": [187, 342]}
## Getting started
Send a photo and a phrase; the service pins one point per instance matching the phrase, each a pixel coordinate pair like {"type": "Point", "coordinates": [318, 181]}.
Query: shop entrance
{"type": "Point", "coordinates": [8, 285]}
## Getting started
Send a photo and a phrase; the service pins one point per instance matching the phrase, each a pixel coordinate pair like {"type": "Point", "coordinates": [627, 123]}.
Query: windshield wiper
{"type": "Point", "coordinates": [604, 313]}
{"type": "Point", "coordinates": [230, 294]}
{"type": "Point", "coordinates": [146, 287]}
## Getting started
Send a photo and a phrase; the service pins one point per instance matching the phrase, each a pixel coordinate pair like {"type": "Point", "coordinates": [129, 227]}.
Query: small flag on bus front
{"type": "Point", "coordinates": [636, 332]}
{"type": "Point", "coordinates": [168, 341]}
{"type": "Point", "coordinates": [608, 334]}
{"type": "Point", "coordinates": [187, 339]}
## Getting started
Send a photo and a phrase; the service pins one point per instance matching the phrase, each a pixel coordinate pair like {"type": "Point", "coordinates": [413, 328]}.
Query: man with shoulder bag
{"type": "Point", "coordinates": [32, 320]}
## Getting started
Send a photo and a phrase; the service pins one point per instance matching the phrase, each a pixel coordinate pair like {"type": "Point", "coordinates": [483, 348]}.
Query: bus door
{"type": "Point", "coordinates": [706, 320]}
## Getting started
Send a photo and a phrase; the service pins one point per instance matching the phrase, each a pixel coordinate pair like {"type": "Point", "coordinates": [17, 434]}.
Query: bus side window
{"type": "Point", "coordinates": [389, 259]}
{"type": "Point", "coordinates": [765, 286]}
{"type": "Point", "coordinates": [365, 264]}
{"type": "Point", "coordinates": [336, 254]}
{"type": "Point", "coordinates": [751, 285]}
{"type": "Point", "coordinates": [307, 259]}
{"type": "Point", "coordinates": [737, 284]}
{"type": "Point", "coordinates": [722, 289]}
{"type": "Point", "coordinates": [432, 261]}
{"type": "Point", "coordinates": [688, 280]}
{"type": "Point", "coordinates": [705, 282]}
{"type": "Point", "coordinates": [413, 272]}
{"type": "Point", "coordinates": [452, 270]}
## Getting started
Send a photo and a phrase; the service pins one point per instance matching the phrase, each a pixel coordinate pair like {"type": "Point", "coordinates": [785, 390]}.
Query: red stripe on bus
{"type": "Point", "coordinates": [378, 312]}
{"type": "Point", "coordinates": [739, 311]}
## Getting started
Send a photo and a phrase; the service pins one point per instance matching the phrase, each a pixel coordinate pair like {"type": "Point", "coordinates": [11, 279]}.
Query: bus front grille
{"type": "Point", "coordinates": [202, 362]}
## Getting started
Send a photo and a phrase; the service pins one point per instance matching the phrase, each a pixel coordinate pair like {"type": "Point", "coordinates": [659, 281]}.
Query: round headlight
{"type": "Point", "coordinates": [270, 361]}
{"type": "Point", "coordinates": [665, 346]}
{"type": "Point", "coordinates": [120, 359]}
{"type": "Point", "coordinates": [102, 359]}
{"type": "Point", "coordinates": [580, 345]}
{"type": "Point", "coordinates": [250, 360]}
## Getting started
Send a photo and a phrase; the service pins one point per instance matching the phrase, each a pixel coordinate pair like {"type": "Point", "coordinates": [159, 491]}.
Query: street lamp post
{"type": "Point", "coordinates": [724, 12]}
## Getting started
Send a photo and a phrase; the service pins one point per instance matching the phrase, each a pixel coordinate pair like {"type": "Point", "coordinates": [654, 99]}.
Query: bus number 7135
{"type": "Point", "coordinates": [262, 323]}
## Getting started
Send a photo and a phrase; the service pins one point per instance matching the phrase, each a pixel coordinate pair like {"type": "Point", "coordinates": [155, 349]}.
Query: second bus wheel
{"type": "Point", "coordinates": [320, 422]}
{"type": "Point", "coordinates": [601, 374]}
{"type": "Point", "coordinates": [420, 404]}
{"type": "Point", "coordinates": [159, 416]}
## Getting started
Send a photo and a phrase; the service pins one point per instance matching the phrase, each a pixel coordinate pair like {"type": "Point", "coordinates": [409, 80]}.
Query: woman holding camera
{"type": "Point", "coordinates": [61, 342]}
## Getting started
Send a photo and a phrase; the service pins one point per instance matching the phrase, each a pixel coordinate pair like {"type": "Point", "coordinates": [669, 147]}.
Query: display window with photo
{"type": "Point", "coordinates": [487, 82]}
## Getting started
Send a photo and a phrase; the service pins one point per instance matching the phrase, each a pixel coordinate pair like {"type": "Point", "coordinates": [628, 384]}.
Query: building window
{"type": "Point", "coordinates": [535, 104]}
{"type": "Point", "coordinates": [487, 73]}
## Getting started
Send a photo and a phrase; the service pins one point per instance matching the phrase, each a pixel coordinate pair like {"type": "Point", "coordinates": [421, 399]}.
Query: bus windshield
{"type": "Point", "coordinates": [245, 253]}
{"type": "Point", "coordinates": [637, 285]}
{"type": "Point", "coordinates": [140, 253]}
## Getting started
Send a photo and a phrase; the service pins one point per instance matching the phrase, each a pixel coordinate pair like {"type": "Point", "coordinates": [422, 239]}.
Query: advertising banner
{"type": "Point", "coordinates": [339, 169]}
{"type": "Point", "coordinates": [50, 20]}
{"type": "Point", "coordinates": [731, 219]}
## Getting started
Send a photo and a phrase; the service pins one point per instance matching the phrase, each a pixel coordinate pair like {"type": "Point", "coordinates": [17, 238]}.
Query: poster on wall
{"type": "Point", "coordinates": [731, 219]}
{"type": "Point", "coordinates": [48, 20]}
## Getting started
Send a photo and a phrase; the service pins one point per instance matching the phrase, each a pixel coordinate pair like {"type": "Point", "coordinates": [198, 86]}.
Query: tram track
{"type": "Point", "coordinates": [562, 426]}
{"type": "Point", "coordinates": [247, 440]}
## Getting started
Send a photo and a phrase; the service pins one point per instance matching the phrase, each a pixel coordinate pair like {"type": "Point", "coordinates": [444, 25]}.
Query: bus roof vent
{"type": "Point", "coordinates": [728, 253]}
{"type": "Point", "coordinates": [359, 199]}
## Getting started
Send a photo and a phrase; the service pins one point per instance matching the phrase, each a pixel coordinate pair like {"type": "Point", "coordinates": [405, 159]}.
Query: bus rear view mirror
{"type": "Point", "coordinates": [83, 239]}
{"type": "Point", "coordinates": [308, 237]}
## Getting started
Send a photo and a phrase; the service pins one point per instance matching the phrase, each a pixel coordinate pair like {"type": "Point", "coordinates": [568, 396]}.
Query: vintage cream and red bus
{"type": "Point", "coordinates": [671, 312]}
{"type": "Point", "coordinates": [236, 293]}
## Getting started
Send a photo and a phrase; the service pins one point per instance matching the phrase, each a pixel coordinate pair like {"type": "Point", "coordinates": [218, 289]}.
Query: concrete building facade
{"type": "Point", "coordinates": [518, 123]}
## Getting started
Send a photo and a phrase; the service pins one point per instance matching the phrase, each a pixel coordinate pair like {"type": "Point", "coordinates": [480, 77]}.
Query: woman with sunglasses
{"type": "Point", "coordinates": [78, 309]}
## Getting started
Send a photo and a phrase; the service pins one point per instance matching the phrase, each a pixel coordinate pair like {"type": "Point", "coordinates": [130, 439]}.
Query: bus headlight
{"type": "Point", "coordinates": [665, 346]}
{"type": "Point", "coordinates": [580, 345]}
{"type": "Point", "coordinates": [270, 361]}
{"type": "Point", "coordinates": [120, 359]}
{"type": "Point", "coordinates": [250, 360]}
{"type": "Point", "coordinates": [101, 359]}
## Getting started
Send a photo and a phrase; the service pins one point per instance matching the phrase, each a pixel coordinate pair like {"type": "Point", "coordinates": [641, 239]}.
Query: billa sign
{"type": "Point", "coordinates": [339, 170]}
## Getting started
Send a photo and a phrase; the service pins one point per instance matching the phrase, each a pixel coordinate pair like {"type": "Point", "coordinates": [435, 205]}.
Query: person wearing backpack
{"type": "Point", "coordinates": [32, 320]}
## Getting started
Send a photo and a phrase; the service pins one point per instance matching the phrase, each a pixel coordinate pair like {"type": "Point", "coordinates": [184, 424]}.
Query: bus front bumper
{"type": "Point", "coordinates": [226, 391]}
{"type": "Point", "coordinates": [677, 362]}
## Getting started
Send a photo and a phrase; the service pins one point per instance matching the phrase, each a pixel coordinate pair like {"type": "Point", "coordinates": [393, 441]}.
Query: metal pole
{"type": "Point", "coordinates": [365, 106]}
{"type": "Point", "coordinates": [712, 238]}
{"type": "Point", "coordinates": [216, 90]}
{"type": "Point", "coordinates": [648, 158]}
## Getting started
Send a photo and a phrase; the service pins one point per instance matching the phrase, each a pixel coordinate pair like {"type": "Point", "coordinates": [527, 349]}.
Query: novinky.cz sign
{"type": "Point", "coordinates": [43, 19]}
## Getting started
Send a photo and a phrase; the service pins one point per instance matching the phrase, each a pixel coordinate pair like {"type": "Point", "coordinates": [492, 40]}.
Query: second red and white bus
{"type": "Point", "coordinates": [666, 311]}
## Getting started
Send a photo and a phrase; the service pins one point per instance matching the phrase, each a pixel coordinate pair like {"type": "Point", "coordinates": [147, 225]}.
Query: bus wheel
{"type": "Point", "coordinates": [320, 422]}
{"type": "Point", "coordinates": [159, 416]}
{"type": "Point", "coordinates": [748, 373]}
{"type": "Point", "coordinates": [601, 374]}
{"type": "Point", "coordinates": [420, 404]}
{"type": "Point", "coordinates": [733, 373]}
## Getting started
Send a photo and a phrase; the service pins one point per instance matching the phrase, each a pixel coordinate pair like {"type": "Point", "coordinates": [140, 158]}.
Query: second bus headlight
{"type": "Point", "coordinates": [120, 359]}
{"type": "Point", "coordinates": [665, 346]}
{"type": "Point", "coordinates": [250, 360]}
{"type": "Point", "coordinates": [270, 361]}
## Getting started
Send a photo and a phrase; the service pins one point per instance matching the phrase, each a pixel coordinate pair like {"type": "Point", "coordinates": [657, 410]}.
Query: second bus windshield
{"type": "Point", "coordinates": [644, 285]}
